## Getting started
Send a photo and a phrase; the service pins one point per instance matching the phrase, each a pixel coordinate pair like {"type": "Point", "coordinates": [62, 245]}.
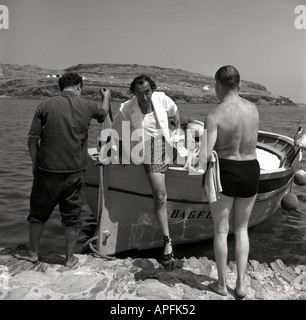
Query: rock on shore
{"type": "Point", "coordinates": [94, 278]}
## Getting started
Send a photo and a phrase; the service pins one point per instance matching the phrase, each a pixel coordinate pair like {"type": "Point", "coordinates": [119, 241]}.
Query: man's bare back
{"type": "Point", "coordinates": [232, 129]}
{"type": "Point", "coordinates": [235, 122]}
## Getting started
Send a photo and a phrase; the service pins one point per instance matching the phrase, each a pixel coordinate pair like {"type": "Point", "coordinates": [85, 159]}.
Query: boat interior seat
{"type": "Point", "coordinates": [274, 151]}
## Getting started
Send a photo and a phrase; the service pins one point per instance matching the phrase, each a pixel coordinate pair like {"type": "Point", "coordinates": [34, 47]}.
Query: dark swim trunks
{"type": "Point", "coordinates": [239, 178]}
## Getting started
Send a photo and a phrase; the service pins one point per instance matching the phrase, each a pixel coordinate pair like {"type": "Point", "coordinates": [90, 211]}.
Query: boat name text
{"type": "Point", "coordinates": [182, 214]}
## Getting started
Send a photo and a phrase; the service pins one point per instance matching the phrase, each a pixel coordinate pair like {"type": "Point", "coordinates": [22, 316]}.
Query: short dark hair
{"type": "Point", "coordinates": [228, 77]}
{"type": "Point", "coordinates": [70, 80]}
{"type": "Point", "coordinates": [140, 80]}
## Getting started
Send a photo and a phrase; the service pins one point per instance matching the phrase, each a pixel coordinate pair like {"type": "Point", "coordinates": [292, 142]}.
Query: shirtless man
{"type": "Point", "coordinates": [232, 129]}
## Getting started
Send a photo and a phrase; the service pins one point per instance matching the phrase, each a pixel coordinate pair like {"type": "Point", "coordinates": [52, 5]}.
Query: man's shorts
{"type": "Point", "coordinates": [239, 178]}
{"type": "Point", "coordinates": [158, 156]}
{"type": "Point", "coordinates": [51, 189]}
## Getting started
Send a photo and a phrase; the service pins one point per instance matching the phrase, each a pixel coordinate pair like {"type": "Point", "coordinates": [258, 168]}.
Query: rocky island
{"type": "Point", "coordinates": [27, 81]}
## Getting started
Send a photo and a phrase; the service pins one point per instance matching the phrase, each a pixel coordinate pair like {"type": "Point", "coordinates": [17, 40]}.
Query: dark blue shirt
{"type": "Point", "coordinates": [61, 123]}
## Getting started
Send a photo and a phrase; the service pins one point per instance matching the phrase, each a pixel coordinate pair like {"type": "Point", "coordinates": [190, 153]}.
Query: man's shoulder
{"type": "Point", "coordinates": [248, 103]}
{"type": "Point", "coordinates": [214, 112]}
{"type": "Point", "coordinates": [59, 99]}
{"type": "Point", "coordinates": [127, 105]}
{"type": "Point", "coordinates": [48, 101]}
{"type": "Point", "coordinates": [237, 103]}
{"type": "Point", "coordinates": [160, 95]}
{"type": "Point", "coordinates": [56, 97]}
{"type": "Point", "coordinates": [249, 109]}
{"type": "Point", "coordinates": [162, 100]}
{"type": "Point", "coordinates": [87, 101]}
{"type": "Point", "coordinates": [212, 117]}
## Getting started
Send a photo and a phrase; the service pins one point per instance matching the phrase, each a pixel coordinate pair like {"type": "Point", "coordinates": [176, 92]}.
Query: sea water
{"type": "Point", "coordinates": [281, 237]}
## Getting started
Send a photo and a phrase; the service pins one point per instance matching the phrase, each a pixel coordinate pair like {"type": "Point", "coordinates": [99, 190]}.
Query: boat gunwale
{"type": "Point", "coordinates": [263, 172]}
{"type": "Point", "coordinates": [260, 196]}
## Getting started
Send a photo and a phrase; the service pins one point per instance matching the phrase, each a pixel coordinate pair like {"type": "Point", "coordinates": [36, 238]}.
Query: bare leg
{"type": "Point", "coordinates": [71, 234]}
{"type": "Point", "coordinates": [220, 213]}
{"type": "Point", "coordinates": [242, 211]}
{"type": "Point", "coordinates": [35, 232]}
{"type": "Point", "coordinates": [157, 182]}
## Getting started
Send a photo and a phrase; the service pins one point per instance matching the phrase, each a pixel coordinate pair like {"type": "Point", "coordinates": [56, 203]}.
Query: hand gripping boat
{"type": "Point", "coordinates": [121, 200]}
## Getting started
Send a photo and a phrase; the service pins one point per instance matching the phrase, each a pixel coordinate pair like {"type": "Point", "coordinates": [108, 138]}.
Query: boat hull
{"type": "Point", "coordinates": [124, 203]}
{"type": "Point", "coordinates": [128, 216]}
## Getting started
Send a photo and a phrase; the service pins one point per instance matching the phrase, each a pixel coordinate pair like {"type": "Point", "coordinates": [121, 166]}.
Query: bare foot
{"type": "Point", "coordinates": [218, 289]}
{"type": "Point", "coordinates": [32, 257]}
{"type": "Point", "coordinates": [241, 291]}
{"type": "Point", "coordinates": [71, 261]}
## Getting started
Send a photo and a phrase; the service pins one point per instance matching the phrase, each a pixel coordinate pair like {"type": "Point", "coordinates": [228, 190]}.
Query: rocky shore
{"type": "Point", "coordinates": [94, 278]}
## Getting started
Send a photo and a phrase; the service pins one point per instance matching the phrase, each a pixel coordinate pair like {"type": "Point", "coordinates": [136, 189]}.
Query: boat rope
{"type": "Point", "coordinates": [93, 248]}
{"type": "Point", "coordinates": [98, 238]}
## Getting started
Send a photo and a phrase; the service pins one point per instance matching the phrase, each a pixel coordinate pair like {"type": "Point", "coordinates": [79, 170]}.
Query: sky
{"type": "Point", "coordinates": [258, 37]}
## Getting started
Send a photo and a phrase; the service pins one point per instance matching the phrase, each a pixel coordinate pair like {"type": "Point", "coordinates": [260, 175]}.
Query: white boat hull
{"type": "Point", "coordinates": [127, 219]}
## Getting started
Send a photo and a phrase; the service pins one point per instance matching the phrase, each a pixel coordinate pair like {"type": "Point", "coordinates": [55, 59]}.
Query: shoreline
{"type": "Point", "coordinates": [94, 278]}
{"type": "Point", "coordinates": [178, 103]}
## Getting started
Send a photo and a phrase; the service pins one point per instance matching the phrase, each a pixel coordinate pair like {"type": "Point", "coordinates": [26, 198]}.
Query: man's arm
{"type": "Point", "coordinates": [176, 119]}
{"type": "Point", "coordinates": [211, 128]}
{"type": "Point", "coordinates": [172, 111]}
{"type": "Point", "coordinates": [106, 95]}
{"type": "Point", "coordinates": [35, 135]}
{"type": "Point", "coordinates": [33, 147]}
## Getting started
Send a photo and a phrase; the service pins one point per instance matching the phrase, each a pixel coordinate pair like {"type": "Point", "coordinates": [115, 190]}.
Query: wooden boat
{"type": "Point", "coordinates": [126, 216]}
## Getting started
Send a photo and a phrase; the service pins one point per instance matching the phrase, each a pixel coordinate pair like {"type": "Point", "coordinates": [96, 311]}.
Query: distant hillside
{"type": "Point", "coordinates": [182, 86]}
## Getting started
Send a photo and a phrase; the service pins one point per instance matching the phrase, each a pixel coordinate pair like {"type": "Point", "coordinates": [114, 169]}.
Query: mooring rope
{"type": "Point", "coordinates": [97, 238]}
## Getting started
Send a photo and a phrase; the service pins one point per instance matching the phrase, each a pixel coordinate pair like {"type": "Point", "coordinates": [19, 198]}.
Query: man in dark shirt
{"type": "Point", "coordinates": [58, 148]}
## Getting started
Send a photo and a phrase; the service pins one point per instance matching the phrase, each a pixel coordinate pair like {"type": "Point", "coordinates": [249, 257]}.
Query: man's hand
{"type": "Point", "coordinates": [106, 97]}
{"type": "Point", "coordinates": [105, 93]}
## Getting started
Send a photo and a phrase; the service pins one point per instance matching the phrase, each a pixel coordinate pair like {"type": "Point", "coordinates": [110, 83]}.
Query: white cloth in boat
{"type": "Point", "coordinates": [164, 108]}
{"type": "Point", "coordinates": [212, 182]}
